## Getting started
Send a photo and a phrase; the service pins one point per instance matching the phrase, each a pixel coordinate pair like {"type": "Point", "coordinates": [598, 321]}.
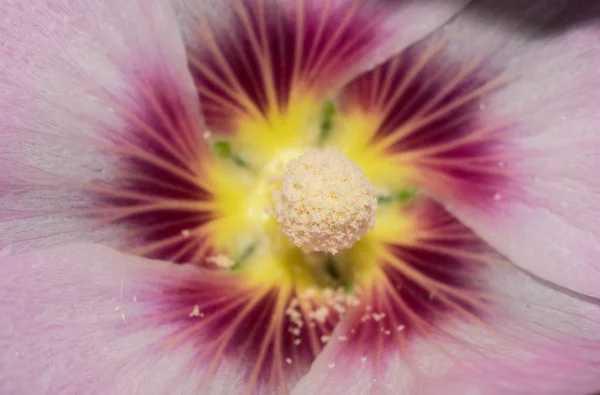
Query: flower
{"type": "Point", "coordinates": [245, 145]}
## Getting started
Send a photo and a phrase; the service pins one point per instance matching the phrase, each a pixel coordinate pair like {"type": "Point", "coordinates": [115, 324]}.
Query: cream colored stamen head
{"type": "Point", "coordinates": [325, 202]}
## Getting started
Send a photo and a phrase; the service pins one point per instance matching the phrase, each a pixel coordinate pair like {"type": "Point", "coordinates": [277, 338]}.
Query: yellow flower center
{"type": "Point", "coordinates": [324, 202]}
{"type": "Point", "coordinates": [301, 215]}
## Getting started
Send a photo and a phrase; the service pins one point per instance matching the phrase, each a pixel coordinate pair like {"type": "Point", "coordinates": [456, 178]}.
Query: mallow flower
{"type": "Point", "coordinates": [306, 196]}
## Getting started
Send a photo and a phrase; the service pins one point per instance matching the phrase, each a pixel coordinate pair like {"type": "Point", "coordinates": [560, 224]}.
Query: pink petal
{"type": "Point", "coordinates": [249, 57]}
{"type": "Point", "coordinates": [541, 342]}
{"type": "Point", "coordinates": [548, 220]}
{"type": "Point", "coordinates": [408, 20]}
{"type": "Point", "coordinates": [75, 76]}
{"type": "Point", "coordinates": [85, 319]}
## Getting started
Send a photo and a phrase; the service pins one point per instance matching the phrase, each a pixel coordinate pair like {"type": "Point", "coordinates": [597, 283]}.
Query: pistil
{"type": "Point", "coordinates": [325, 203]}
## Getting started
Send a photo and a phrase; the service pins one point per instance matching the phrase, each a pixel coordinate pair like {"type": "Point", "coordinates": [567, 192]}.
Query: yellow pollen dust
{"type": "Point", "coordinates": [325, 203]}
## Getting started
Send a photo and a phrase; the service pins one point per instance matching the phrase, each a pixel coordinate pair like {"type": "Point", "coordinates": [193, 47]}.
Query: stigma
{"type": "Point", "coordinates": [324, 202]}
